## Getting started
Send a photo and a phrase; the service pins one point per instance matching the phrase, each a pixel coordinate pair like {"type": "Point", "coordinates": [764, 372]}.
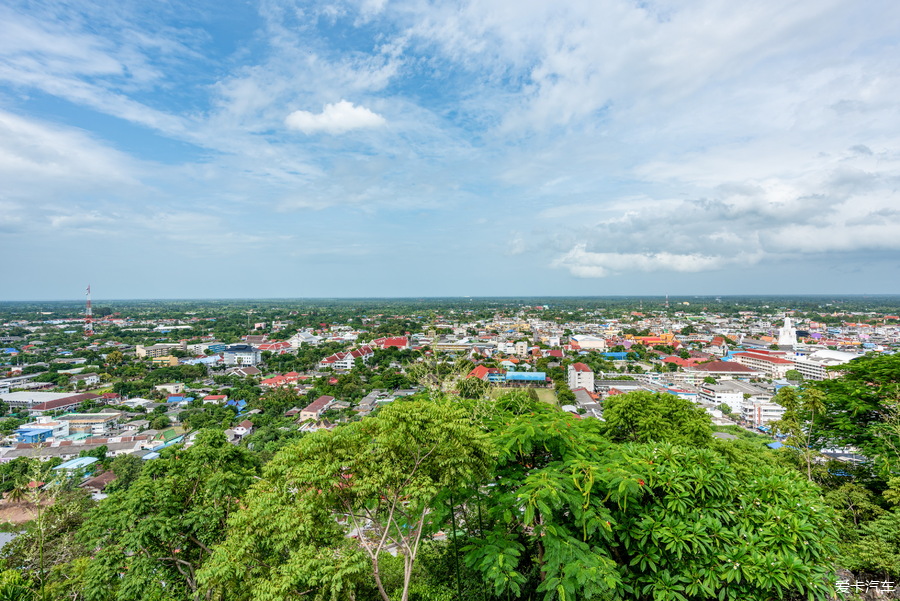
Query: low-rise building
{"type": "Point", "coordinates": [170, 388]}
{"type": "Point", "coordinates": [315, 409]}
{"type": "Point", "coordinates": [774, 366]}
{"type": "Point", "coordinates": [95, 424]}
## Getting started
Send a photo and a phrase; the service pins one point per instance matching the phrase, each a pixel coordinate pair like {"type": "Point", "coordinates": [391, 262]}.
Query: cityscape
{"type": "Point", "coordinates": [495, 300]}
{"type": "Point", "coordinates": [106, 402]}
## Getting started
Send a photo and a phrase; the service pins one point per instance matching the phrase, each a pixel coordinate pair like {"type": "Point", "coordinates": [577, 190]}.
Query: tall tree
{"type": "Point", "coordinates": [151, 538]}
{"type": "Point", "coordinates": [862, 409]}
{"type": "Point", "coordinates": [799, 422]}
{"type": "Point", "coordinates": [337, 501]}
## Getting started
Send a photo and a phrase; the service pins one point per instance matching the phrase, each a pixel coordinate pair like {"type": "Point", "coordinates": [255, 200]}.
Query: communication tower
{"type": "Point", "coordinates": [88, 315]}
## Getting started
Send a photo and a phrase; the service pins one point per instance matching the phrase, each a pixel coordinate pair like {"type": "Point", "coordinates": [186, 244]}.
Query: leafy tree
{"type": "Point", "coordinates": [862, 409]}
{"type": "Point", "coordinates": [151, 538]}
{"type": "Point", "coordinates": [793, 375]}
{"type": "Point", "coordinates": [473, 388]}
{"type": "Point", "coordinates": [798, 422]}
{"type": "Point", "coordinates": [375, 480]}
{"type": "Point", "coordinates": [570, 515]}
{"type": "Point", "coordinates": [115, 358]}
{"type": "Point", "coordinates": [15, 587]}
{"type": "Point", "coordinates": [655, 417]}
{"type": "Point", "coordinates": [160, 422]}
{"type": "Point", "coordinates": [50, 541]}
{"type": "Point", "coordinates": [127, 469]}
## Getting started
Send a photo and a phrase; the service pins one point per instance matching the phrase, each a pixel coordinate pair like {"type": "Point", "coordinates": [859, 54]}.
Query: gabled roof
{"type": "Point", "coordinates": [724, 366]}
{"type": "Point", "coordinates": [63, 402]}
{"type": "Point", "coordinates": [581, 367]}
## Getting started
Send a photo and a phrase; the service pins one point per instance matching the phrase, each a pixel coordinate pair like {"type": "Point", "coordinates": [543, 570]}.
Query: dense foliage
{"type": "Point", "coordinates": [479, 495]}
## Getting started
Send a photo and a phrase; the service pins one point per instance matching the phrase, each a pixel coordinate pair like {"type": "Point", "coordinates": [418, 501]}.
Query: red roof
{"type": "Point", "coordinates": [724, 366]}
{"type": "Point", "coordinates": [319, 404]}
{"type": "Point", "coordinates": [767, 358]}
{"type": "Point", "coordinates": [64, 402]}
{"type": "Point", "coordinates": [480, 372]}
{"type": "Point", "coordinates": [581, 367]}
{"type": "Point", "coordinates": [397, 341]}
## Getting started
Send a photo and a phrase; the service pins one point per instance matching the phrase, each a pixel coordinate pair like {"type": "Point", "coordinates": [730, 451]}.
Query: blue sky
{"type": "Point", "coordinates": [497, 147]}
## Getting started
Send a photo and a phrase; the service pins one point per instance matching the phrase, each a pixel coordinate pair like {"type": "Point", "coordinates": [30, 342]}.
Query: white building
{"type": "Point", "coordinates": [760, 414]}
{"type": "Point", "coordinates": [242, 354]}
{"type": "Point", "coordinates": [813, 367]}
{"type": "Point", "coordinates": [773, 366]}
{"type": "Point", "coordinates": [589, 342]}
{"type": "Point", "coordinates": [581, 376]}
{"type": "Point", "coordinates": [301, 338]}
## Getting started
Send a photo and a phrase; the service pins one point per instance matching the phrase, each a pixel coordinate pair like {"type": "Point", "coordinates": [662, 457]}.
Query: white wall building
{"type": "Point", "coordinates": [813, 367]}
{"type": "Point", "coordinates": [581, 376]}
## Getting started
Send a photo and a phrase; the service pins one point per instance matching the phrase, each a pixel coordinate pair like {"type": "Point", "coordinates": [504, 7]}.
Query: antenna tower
{"type": "Point", "coordinates": [88, 315]}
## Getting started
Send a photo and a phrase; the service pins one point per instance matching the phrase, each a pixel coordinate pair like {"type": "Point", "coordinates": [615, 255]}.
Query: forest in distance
{"type": "Point", "coordinates": [457, 491]}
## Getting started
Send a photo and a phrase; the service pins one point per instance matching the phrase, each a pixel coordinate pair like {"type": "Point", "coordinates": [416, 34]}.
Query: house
{"type": "Point", "coordinates": [399, 342]}
{"type": "Point", "coordinates": [345, 361]}
{"type": "Point", "coordinates": [165, 361]}
{"type": "Point", "coordinates": [580, 376]}
{"type": "Point", "coordinates": [92, 423]}
{"type": "Point", "coordinates": [136, 425]}
{"type": "Point", "coordinates": [723, 369]}
{"type": "Point", "coordinates": [488, 374]}
{"type": "Point", "coordinates": [215, 399]}
{"type": "Point", "coordinates": [98, 483]}
{"type": "Point", "coordinates": [315, 409]}
{"type": "Point", "coordinates": [77, 466]}
{"type": "Point", "coordinates": [110, 398]}
{"type": "Point", "coordinates": [288, 379]}
{"type": "Point", "coordinates": [276, 348]}
{"type": "Point", "coordinates": [242, 355]}
{"type": "Point", "coordinates": [773, 365]}
{"type": "Point", "coordinates": [243, 372]}
{"type": "Point", "coordinates": [243, 428]}
{"type": "Point", "coordinates": [585, 341]}
{"type": "Point", "coordinates": [171, 388]}
{"type": "Point", "coordinates": [301, 338]}
{"type": "Point", "coordinates": [85, 379]}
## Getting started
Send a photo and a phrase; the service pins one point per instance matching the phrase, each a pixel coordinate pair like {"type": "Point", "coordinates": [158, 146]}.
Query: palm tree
{"type": "Point", "coordinates": [18, 493]}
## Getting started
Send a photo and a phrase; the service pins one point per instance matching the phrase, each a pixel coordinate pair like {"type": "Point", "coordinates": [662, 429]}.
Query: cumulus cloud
{"type": "Point", "coordinates": [336, 118]}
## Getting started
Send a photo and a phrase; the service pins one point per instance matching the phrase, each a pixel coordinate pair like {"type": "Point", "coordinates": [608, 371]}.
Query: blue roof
{"type": "Point", "coordinates": [77, 463]}
{"type": "Point", "coordinates": [775, 445]}
{"type": "Point", "coordinates": [616, 355]}
{"type": "Point", "coordinates": [528, 376]}
{"type": "Point", "coordinates": [21, 430]}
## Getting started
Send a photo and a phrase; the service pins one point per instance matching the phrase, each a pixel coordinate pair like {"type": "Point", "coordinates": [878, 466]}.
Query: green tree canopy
{"type": "Point", "coordinates": [656, 417]}
{"type": "Point", "coordinates": [329, 505]}
{"type": "Point", "coordinates": [151, 538]}
{"type": "Point", "coordinates": [569, 515]}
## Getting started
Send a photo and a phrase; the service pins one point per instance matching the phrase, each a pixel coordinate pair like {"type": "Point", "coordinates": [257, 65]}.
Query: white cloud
{"type": "Point", "coordinates": [587, 264]}
{"type": "Point", "coordinates": [336, 118]}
